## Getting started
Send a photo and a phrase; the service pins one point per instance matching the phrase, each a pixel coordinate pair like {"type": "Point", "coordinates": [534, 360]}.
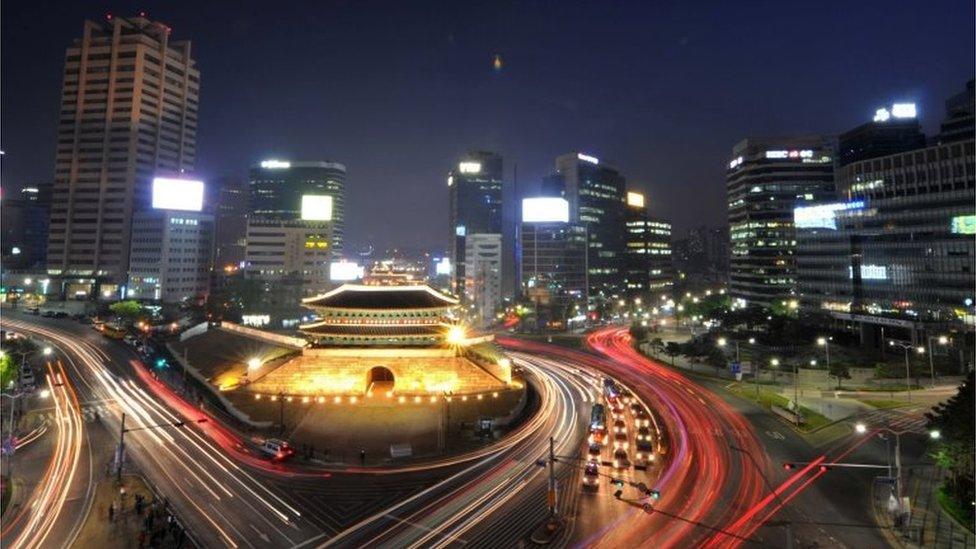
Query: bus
{"type": "Point", "coordinates": [112, 331]}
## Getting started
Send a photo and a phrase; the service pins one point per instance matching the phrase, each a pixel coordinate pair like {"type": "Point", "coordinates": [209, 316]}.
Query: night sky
{"type": "Point", "coordinates": [659, 90]}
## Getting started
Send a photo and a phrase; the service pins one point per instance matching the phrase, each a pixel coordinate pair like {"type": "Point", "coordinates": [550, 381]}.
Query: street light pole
{"type": "Point", "coordinates": [905, 345]}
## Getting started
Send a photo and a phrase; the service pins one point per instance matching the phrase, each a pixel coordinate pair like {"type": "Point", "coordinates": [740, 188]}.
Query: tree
{"type": "Point", "coordinates": [657, 345]}
{"type": "Point", "coordinates": [839, 371]}
{"type": "Point", "coordinates": [672, 349]}
{"type": "Point", "coordinates": [129, 310]}
{"type": "Point", "coordinates": [955, 446]}
{"type": "Point", "coordinates": [638, 332]}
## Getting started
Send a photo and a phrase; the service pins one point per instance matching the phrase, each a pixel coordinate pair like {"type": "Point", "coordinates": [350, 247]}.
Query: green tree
{"type": "Point", "coordinates": [129, 310]}
{"type": "Point", "coordinates": [955, 447]}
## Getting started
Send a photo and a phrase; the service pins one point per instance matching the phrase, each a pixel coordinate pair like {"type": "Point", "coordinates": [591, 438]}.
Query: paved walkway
{"type": "Point", "coordinates": [128, 524]}
{"type": "Point", "coordinates": [927, 525]}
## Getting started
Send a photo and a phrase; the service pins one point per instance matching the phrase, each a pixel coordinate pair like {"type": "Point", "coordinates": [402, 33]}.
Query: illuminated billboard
{"type": "Point", "coordinates": [170, 193]}
{"type": "Point", "coordinates": [635, 199]}
{"type": "Point", "coordinates": [316, 207]}
{"type": "Point", "coordinates": [545, 210]}
{"type": "Point", "coordinates": [871, 272]}
{"type": "Point", "coordinates": [341, 271]}
{"type": "Point", "coordinates": [275, 164]}
{"type": "Point", "coordinates": [823, 216]}
{"type": "Point", "coordinates": [588, 158]}
{"type": "Point", "coordinates": [469, 167]}
{"type": "Point", "coordinates": [964, 224]}
{"type": "Point", "coordinates": [442, 267]}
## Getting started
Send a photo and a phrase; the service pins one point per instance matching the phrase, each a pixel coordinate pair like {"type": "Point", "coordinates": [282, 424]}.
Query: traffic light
{"type": "Point", "coordinates": [655, 494]}
{"type": "Point", "coordinates": [788, 466]}
{"type": "Point", "coordinates": [160, 362]}
{"type": "Point", "coordinates": [824, 468]}
{"type": "Point", "coordinates": [619, 483]}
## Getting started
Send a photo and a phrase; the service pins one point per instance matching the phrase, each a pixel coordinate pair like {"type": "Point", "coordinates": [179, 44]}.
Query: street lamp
{"type": "Point", "coordinates": [861, 428]}
{"type": "Point", "coordinates": [254, 363]}
{"type": "Point", "coordinates": [943, 340]}
{"type": "Point", "coordinates": [47, 351]}
{"type": "Point", "coordinates": [905, 345]}
{"type": "Point", "coordinates": [825, 343]}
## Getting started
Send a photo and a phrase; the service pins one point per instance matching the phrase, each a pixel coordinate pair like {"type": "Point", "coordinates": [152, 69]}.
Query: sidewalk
{"type": "Point", "coordinates": [127, 527]}
{"type": "Point", "coordinates": [928, 525]}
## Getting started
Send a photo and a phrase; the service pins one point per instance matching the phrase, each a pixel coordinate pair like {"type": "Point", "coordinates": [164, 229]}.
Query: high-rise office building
{"type": "Point", "coordinates": [596, 197]}
{"type": "Point", "coordinates": [647, 261]}
{"type": "Point", "coordinates": [483, 276]}
{"type": "Point", "coordinates": [552, 258]}
{"type": "Point", "coordinates": [24, 221]}
{"type": "Point", "coordinates": [475, 188]}
{"type": "Point", "coordinates": [959, 120]}
{"type": "Point", "coordinates": [894, 129]}
{"type": "Point", "coordinates": [289, 251]}
{"type": "Point", "coordinates": [765, 181]}
{"type": "Point", "coordinates": [230, 214]}
{"type": "Point", "coordinates": [171, 255]}
{"type": "Point", "coordinates": [897, 249]}
{"type": "Point", "coordinates": [128, 113]}
{"type": "Point", "coordinates": [277, 188]}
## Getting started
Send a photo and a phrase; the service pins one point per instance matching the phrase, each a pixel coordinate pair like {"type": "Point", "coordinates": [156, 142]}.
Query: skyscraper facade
{"type": "Point", "coordinates": [552, 259]}
{"type": "Point", "coordinates": [897, 248]}
{"type": "Point", "coordinates": [277, 188]}
{"type": "Point", "coordinates": [596, 196]}
{"type": "Point", "coordinates": [648, 259]}
{"type": "Point", "coordinates": [129, 105]}
{"type": "Point", "coordinates": [230, 213]}
{"type": "Point", "coordinates": [171, 255]}
{"type": "Point", "coordinates": [475, 188]}
{"type": "Point", "coordinates": [765, 181]}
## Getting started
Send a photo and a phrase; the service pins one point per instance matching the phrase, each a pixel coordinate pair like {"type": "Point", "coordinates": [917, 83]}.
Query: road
{"type": "Point", "coordinates": [226, 501]}
{"type": "Point", "coordinates": [712, 477]}
{"type": "Point", "coordinates": [704, 482]}
{"type": "Point", "coordinates": [52, 513]}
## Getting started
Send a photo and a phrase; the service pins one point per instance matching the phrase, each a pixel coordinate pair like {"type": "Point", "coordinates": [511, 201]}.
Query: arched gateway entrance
{"type": "Point", "coordinates": [379, 379]}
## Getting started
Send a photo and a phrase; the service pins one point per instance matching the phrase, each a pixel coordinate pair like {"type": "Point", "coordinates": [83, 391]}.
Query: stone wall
{"type": "Point", "coordinates": [346, 371]}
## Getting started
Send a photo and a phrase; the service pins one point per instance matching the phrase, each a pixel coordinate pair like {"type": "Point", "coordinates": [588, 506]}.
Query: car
{"type": "Point", "coordinates": [278, 449]}
{"type": "Point", "coordinates": [641, 419]}
{"type": "Point", "coordinates": [48, 314]}
{"type": "Point", "coordinates": [620, 441]}
{"type": "Point", "coordinates": [593, 451]}
{"type": "Point", "coordinates": [645, 453]}
{"type": "Point", "coordinates": [620, 459]}
{"type": "Point", "coordinates": [33, 311]}
{"type": "Point", "coordinates": [80, 317]}
{"type": "Point", "coordinates": [591, 475]}
{"type": "Point", "coordinates": [597, 436]}
{"type": "Point", "coordinates": [643, 433]}
{"type": "Point", "coordinates": [619, 426]}
{"type": "Point", "coordinates": [60, 314]}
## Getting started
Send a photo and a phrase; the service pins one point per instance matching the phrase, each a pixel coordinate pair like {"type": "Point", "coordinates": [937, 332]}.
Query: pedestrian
{"type": "Point", "coordinates": [111, 512]}
{"type": "Point", "coordinates": [362, 455]}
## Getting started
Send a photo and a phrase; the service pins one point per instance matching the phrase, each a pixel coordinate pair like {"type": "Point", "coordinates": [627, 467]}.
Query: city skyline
{"type": "Point", "coordinates": [404, 107]}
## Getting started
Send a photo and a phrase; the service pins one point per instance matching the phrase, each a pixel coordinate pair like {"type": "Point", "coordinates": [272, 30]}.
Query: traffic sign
{"type": "Point", "coordinates": [8, 447]}
{"type": "Point", "coordinates": [885, 480]}
{"type": "Point", "coordinates": [735, 367]}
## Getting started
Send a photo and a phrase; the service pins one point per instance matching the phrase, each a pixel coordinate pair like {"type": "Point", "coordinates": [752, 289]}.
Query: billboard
{"type": "Point", "coordinates": [442, 267]}
{"type": "Point", "coordinates": [316, 207]}
{"type": "Point", "coordinates": [345, 271]}
{"type": "Point", "coordinates": [964, 224]}
{"type": "Point", "coordinates": [822, 216]}
{"type": "Point", "coordinates": [635, 199]}
{"type": "Point", "coordinates": [169, 193]}
{"type": "Point", "coordinates": [545, 210]}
